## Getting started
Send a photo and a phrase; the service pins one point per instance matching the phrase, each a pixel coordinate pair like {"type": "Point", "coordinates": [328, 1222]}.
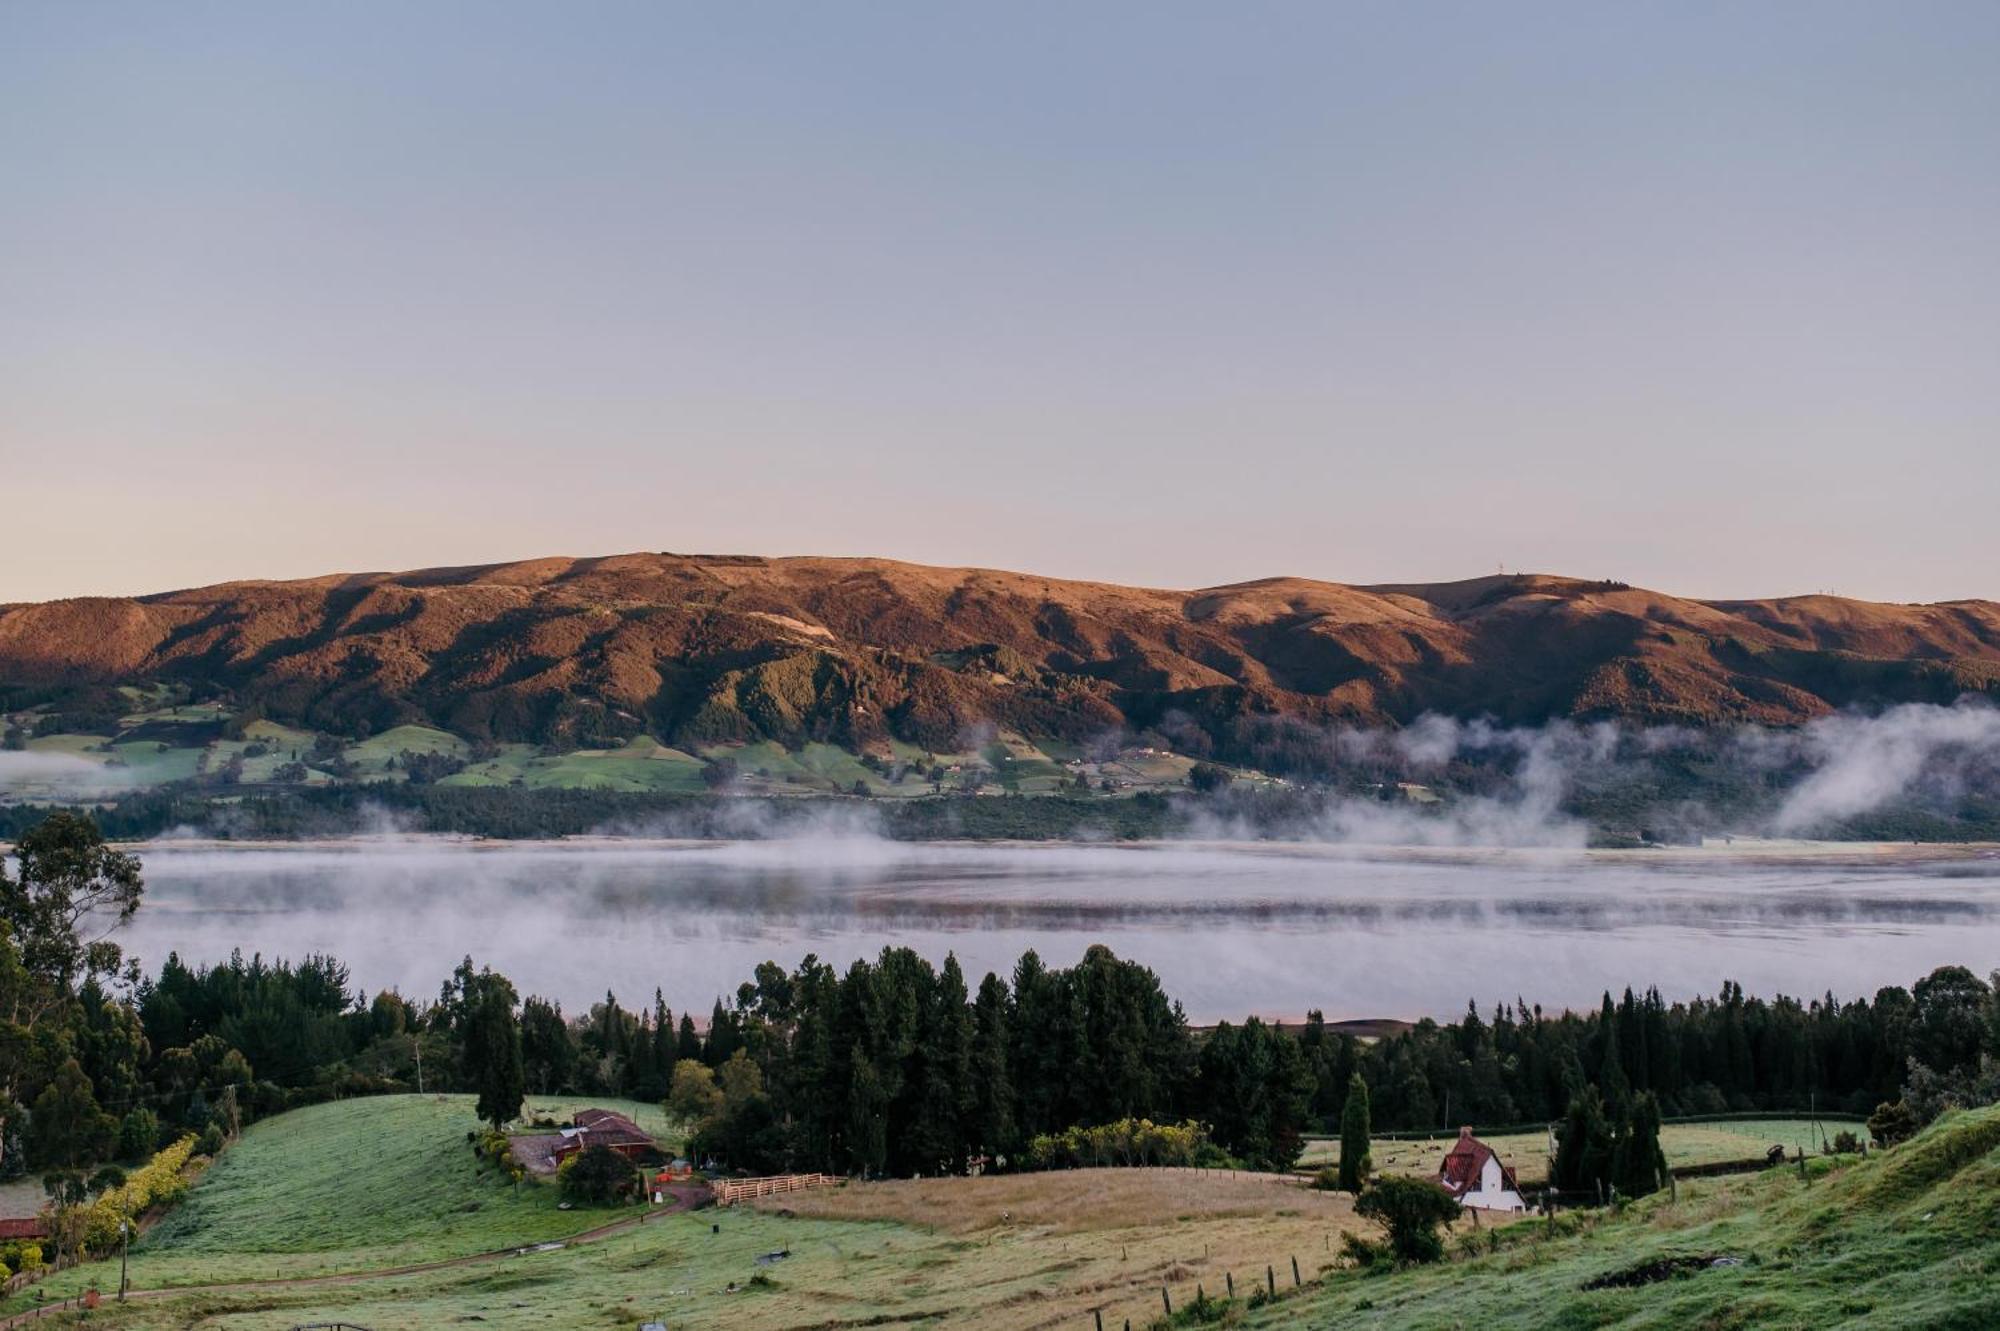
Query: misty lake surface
{"type": "Point", "coordinates": [1231, 929]}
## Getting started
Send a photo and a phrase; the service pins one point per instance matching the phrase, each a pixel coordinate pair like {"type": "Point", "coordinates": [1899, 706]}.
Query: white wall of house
{"type": "Point", "coordinates": [1492, 1194]}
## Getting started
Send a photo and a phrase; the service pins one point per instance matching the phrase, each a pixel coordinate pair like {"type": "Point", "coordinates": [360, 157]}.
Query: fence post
{"type": "Point", "coordinates": [1230, 1282]}
{"type": "Point", "coordinates": [1167, 1300]}
{"type": "Point", "coordinates": [1098, 1313]}
{"type": "Point", "coordinates": [1296, 1282]}
{"type": "Point", "coordinates": [1271, 1280]}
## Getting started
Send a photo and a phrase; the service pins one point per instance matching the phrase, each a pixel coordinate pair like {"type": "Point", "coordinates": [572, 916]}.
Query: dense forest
{"type": "Point", "coordinates": [893, 1066]}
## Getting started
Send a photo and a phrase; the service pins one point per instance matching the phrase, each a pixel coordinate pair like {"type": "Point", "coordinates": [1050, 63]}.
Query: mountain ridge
{"type": "Point", "coordinates": [714, 648]}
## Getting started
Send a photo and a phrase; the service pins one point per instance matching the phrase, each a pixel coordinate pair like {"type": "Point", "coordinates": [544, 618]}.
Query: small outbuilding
{"type": "Point", "coordinates": [1475, 1176]}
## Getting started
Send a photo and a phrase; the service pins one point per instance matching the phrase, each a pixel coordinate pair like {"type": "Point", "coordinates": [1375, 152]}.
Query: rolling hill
{"type": "Point", "coordinates": [694, 649]}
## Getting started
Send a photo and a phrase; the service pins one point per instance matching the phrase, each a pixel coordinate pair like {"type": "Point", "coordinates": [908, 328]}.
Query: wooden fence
{"type": "Point", "coordinates": [730, 1191]}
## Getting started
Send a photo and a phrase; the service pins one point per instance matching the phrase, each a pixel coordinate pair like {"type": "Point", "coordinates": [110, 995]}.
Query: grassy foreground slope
{"type": "Point", "coordinates": [1907, 1239]}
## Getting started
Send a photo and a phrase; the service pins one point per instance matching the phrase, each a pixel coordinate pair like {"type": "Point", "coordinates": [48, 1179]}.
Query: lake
{"type": "Point", "coordinates": [1231, 929]}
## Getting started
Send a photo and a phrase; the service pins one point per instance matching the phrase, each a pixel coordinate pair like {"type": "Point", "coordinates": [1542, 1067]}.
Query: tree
{"type": "Point", "coordinates": [1207, 778]}
{"type": "Point", "coordinates": [493, 1056]}
{"type": "Point", "coordinates": [1411, 1210]}
{"type": "Point", "coordinates": [694, 1097]}
{"type": "Point", "coordinates": [66, 874]}
{"type": "Point", "coordinates": [1638, 1165]}
{"type": "Point", "coordinates": [993, 1087]}
{"type": "Point", "coordinates": [1584, 1144]}
{"type": "Point", "coordinates": [65, 1126]}
{"type": "Point", "coordinates": [548, 1054]}
{"type": "Point", "coordinates": [1355, 1161]}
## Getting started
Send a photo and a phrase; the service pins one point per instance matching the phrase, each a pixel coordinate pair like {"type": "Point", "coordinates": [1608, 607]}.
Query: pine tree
{"type": "Point", "coordinates": [1355, 1161]}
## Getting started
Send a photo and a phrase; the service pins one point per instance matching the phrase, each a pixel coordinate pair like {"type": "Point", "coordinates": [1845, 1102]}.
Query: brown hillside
{"type": "Point", "coordinates": [700, 648]}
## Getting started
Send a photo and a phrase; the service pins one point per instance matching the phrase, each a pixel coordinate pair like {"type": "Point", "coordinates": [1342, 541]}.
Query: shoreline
{"type": "Point", "coordinates": [1730, 850]}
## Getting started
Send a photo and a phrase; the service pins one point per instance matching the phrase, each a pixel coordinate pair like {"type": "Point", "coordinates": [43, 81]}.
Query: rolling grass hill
{"type": "Point", "coordinates": [1909, 1239]}
{"type": "Point", "coordinates": [1906, 1239]}
{"type": "Point", "coordinates": [354, 1184]}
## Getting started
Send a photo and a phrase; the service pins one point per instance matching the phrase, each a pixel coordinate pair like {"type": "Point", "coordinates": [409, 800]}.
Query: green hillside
{"type": "Point", "coordinates": [356, 1184]}
{"type": "Point", "coordinates": [1908, 1239]}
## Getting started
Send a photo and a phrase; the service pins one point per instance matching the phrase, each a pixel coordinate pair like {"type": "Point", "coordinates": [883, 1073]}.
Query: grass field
{"type": "Point", "coordinates": [1906, 1239]}
{"type": "Point", "coordinates": [1528, 1153]}
{"type": "Point", "coordinates": [356, 1184]}
{"type": "Point", "coordinates": [329, 1191]}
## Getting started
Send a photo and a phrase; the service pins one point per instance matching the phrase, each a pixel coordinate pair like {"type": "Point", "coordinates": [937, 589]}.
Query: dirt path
{"type": "Point", "coordinates": [356, 1277]}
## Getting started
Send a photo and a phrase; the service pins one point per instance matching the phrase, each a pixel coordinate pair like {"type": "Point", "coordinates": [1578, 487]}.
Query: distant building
{"type": "Point", "coordinates": [1474, 1176]}
{"type": "Point", "coordinates": [24, 1229]}
{"type": "Point", "coordinates": [602, 1127]}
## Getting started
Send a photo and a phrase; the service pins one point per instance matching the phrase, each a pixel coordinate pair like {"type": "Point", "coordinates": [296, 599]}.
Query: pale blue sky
{"type": "Point", "coordinates": [1703, 297]}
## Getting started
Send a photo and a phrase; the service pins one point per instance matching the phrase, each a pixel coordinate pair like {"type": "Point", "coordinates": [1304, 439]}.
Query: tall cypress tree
{"type": "Point", "coordinates": [493, 1049]}
{"type": "Point", "coordinates": [993, 1084]}
{"type": "Point", "coordinates": [1355, 1161]}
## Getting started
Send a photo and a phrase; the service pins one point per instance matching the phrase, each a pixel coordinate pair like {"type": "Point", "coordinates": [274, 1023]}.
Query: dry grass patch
{"type": "Point", "coordinates": [1067, 1201]}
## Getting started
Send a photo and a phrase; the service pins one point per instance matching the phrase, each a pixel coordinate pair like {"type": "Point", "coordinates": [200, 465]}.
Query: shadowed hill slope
{"type": "Point", "coordinates": [698, 649]}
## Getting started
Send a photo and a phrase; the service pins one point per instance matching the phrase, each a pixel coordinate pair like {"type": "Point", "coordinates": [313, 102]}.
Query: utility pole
{"type": "Point", "coordinates": [124, 1246]}
{"type": "Point", "coordinates": [418, 1046]}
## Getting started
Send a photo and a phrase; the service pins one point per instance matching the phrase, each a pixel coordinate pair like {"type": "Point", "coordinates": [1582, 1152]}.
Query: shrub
{"type": "Point", "coordinates": [158, 1182]}
{"type": "Point", "coordinates": [1359, 1250]}
{"type": "Point", "coordinates": [1129, 1141]}
{"type": "Point", "coordinates": [1891, 1122]}
{"type": "Point", "coordinates": [1327, 1180]}
{"type": "Point", "coordinates": [597, 1175]}
{"type": "Point", "coordinates": [1846, 1143]}
{"type": "Point", "coordinates": [1411, 1211]}
{"type": "Point", "coordinates": [210, 1143]}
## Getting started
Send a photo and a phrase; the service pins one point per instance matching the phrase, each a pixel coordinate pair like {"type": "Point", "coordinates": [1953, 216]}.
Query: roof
{"type": "Point", "coordinates": [29, 1227]}
{"type": "Point", "coordinates": [1465, 1162]}
{"type": "Point", "coordinates": [604, 1127]}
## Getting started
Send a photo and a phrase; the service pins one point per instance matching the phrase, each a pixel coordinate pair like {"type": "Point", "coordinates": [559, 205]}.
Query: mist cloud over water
{"type": "Point", "coordinates": [1442, 782]}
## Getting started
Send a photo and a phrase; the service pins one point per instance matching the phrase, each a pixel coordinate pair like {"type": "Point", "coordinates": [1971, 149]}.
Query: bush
{"type": "Point", "coordinates": [1846, 1143]}
{"type": "Point", "coordinates": [210, 1142]}
{"type": "Point", "coordinates": [1129, 1141]}
{"type": "Point", "coordinates": [599, 1176]}
{"type": "Point", "coordinates": [1327, 1180]}
{"type": "Point", "coordinates": [158, 1182]}
{"type": "Point", "coordinates": [1410, 1210]}
{"type": "Point", "coordinates": [1891, 1122]}
{"type": "Point", "coordinates": [1359, 1250]}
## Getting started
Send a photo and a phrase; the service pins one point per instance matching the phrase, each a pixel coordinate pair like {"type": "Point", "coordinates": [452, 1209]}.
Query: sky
{"type": "Point", "coordinates": [1701, 297]}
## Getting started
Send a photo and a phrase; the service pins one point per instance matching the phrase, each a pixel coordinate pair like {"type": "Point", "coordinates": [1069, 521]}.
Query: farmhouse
{"type": "Point", "coordinates": [24, 1228]}
{"type": "Point", "coordinates": [1473, 1175]}
{"type": "Point", "coordinates": [603, 1127]}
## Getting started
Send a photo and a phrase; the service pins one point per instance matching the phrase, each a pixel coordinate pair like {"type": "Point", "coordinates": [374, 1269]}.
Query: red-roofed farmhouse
{"type": "Point", "coordinates": [1474, 1175]}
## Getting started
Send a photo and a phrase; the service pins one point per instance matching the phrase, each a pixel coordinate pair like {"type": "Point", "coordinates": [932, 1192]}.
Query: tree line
{"type": "Point", "coordinates": [895, 1065]}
